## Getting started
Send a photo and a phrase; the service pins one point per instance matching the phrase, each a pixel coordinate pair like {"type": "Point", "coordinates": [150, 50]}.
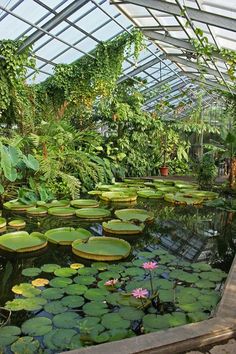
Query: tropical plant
{"type": "Point", "coordinates": [207, 171]}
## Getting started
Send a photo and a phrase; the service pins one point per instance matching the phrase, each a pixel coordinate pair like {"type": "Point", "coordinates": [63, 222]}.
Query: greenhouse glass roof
{"type": "Point", "coordinates": [63, 31]}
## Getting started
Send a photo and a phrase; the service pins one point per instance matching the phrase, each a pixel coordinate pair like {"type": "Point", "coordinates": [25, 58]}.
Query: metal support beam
{"type": "Point", "coordinates": [209, 83]}
{"type": "Point", "coordinates": [141, 68]}
{"type": "Point", "coordinates": [173, 89]}
{"type": "Point", "coordinates": [160, 84]}
{"type": "Point", "coordinates": [68, 11]}
{"type": "Point", "coordinates": [180, 43]}
{"type": "Point", "coordinates": [205, 69]}
{"type": "Point", "coordinates": [195, 14]}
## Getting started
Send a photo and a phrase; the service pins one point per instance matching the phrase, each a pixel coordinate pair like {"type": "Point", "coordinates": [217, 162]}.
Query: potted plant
{"type": "Point", "coordinates": [164, 170]}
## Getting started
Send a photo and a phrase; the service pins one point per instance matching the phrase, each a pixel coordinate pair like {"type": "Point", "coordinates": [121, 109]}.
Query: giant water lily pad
{"type": "Point", "coordinates": [140, 215]}
{"type": "Point", "coordinates": [61, 211]}
{"type": "Point", "coordinates": [3, 222]}
{"type": "Point", "coordinates": [37, 211]}
{"type": "Point", "coordinates": [150, 194]}
{"type": "Point", "coordinates": [93, 213]}
{"type": "Point", "coordinates": [204, 195]}
{"type": "Point", "coordinates": [119, 227]}
{"type": "Point", "coordinates": [181, 198]}
{"type": "Point", "coordinates": [16, 205]}
{"type": "Point", "coordinates": [102, 248]}
{"type": "Point", "coordinates": [17, 223]}
{"type": "Point", "coordinates": [66, 235]}
{"type": "Point", "coordinates": [119, 196]}
{"type": "Point", "coordinates": [37, 326]}
{"type": "Point", "coordinates": [21, 241]}
{"type": "Point", "coordinates": [84, 203]}
{"type": "Point", "coordinates": [57, 204]}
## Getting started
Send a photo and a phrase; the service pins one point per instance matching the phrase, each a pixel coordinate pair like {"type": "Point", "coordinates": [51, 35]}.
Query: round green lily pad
{"type": "Point", "coordinates": [180, 198]}
{"type": "Point", "coordinates": [114, 320]}
{"type": "Point", "coordinates": [60, 282]}
{"type": "Point", "coordinates": [84, 279]}
{"type": "Point", "coordinates": [76, 289]}
{"type": "Point", "coordinates": [93, 213]}
{"type": "Point", "coordinates": [131, 313]}
{"type": "Point", "coordinates": [84, 203]}
{"type": "Point", "coordinates": [55, 307]}
{"type": "Point", "coordinates": [197, 316]}
{"type": "Point", "coordinates": [156, 321]}
{"type": "Point", "coordinates": [205, 284]}
{"type": "Point", "coordinates": [66, 235]}
{"type": "Point", "coordinates": [21, 241]}
{"type": "Point", "coordinates": [99, 265]}
{"type": "Point", "coordinates": [62, 338]}
{"type": "Point", "coordinates": [50, 268]}
{"type": "Point", "coordinates": [102, 248]}
{"type": "Point", "coordinates": [214, 276]}
{"type": "Point", "coordinates": [65, 272]}
{"type": "Point", "coordinates": [31, 272]}
{"type": "Point", "coordinates": [119, 196]}
{"type": "Point", "coordinates": [150, 194]}
{"type": "Point", "coordinates": [140, 215]}
{"type": "Point", "coordinates": [17, 223]}
{"type": "Point", "coordinates": [25, 345]}
{"type": "Point", "coordinates": [3, 222]}
{"type": "Point", "coordinates": [37, 326]}
{"type": "Point", "coordinates": [37, 211]}
{"type": "Point", "coordinates": [119, 227]}
{"type": "Point", "coordinates": [177, 319]}
{"type": "Point", "coordinates": [95, 309]}
{"type": "Point", "coordinates": [87, 324]}
{"type": "Point", "coordinates": [96, 294]}
{"type": "Point", "coordinates": [73, 301]}
{"type": "Point", "coordinates": [61, 211]}
{"type": "Point", "coordinates": [52, 293]}
{"type": "Point", "coordinates": [87, 271]}
{"type": "Point", "coordinates": [66, 320]}
{"type": "Point", "coordinates": [9, 334]}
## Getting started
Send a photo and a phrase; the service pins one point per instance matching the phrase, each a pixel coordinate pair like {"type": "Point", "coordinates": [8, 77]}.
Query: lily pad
{"type": "Point", "coordinates": [93, 213]}
{"type": "Point", "coordinates": [73, 301]}
{"type": "Point", "coordinates": [40, 282]}
{"type": "Point", "coordinates": [114, 320]}
{"type": "Point", "coordinates": [50, 268]}
{"type": "Point", "coordinates": [31, 272]}
{"type": "Point", "coordinates": [66, 320]}
{"type": "Point", "coordinates": [61, 211]}
{"type": "Point", "coordinates": [96, 294]}
{"type": "Point", "coordinates": [213, 276]}
{"type": "Point", "coordinates": [25, 345]}
{"type": "Point", "coordinates": [99, 265]}
{"type": "Point", "coordinates": [140, 215]}
{"type": "Point", "coordinates": [183, 199]}
{"type": "Point", "coordinates": [28, 304]}
{"type": "Point", "coordinates": [26, 290]}
{"type": "Point", "coordinates": [84, 203]}
{"type": "Point", "coordinates": [21, 241]}
{"type": "Point", "coordinates": [84, 279]}
{"type": "Point", "coordinates": [131, 313]}
{"type": "Point", "coordinates": [119, 227]}
{"type": "Point", "coordinates": [17, 223]}
{"type": "Point", "coordinates": [16, 205]}
{"type": "Point", "coordinates": [150, 194]}
{"type": "Point", "coordinates": [9, 334]}
{"type": "Point", "coordinates": [37, 211]}
{"type": "Point", "coordinates": [197, 316]}
{"type": "Point", "coordinates": [102, 248]}
{"type": "Point", "coordinates": [119, 196]}
{"type": "Point", "coordinates": [55, 307]}
{"type": "Point", "coordinates": [66, 235]}
{"type": "Point", "coordinates": [62, 338]}
{"type": "Point", "coordinates": [191, 307]}
{"type": "Point", "coordinates": [95, 309]}
{"type": "Point", "coordinates": [37, 326]}
{"type": "Point", "coordinates": [65, 272]}
{"type": "Point", "coordinates": [58, 204]}
{"type": "Point", "coordinates": [87, 271]}
{"type": "Point", "coordinates": [3, 222]}
{"type": "Point", "coordinates": [156, 321]}
{"type": "Point", "coordinates": [53, 293]}
{"type": "Point", "coordinates": [76, 289]}
{"type": "Point", "coordinates": [60, 282]}
{"type": "Point", "coordinates": [205, 284]}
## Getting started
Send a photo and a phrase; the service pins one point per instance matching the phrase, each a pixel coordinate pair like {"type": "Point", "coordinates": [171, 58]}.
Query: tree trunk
{"type": "Point", "coordinates": [232, 173]}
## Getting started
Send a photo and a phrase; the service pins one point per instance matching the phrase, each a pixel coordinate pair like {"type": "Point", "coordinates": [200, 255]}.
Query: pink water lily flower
{"type": "Point", "coordinates": [140, 293]}
{"type": "Point", "coordinates": [150, 265]}
{"type": "Point", "coordinates": [111, 282]}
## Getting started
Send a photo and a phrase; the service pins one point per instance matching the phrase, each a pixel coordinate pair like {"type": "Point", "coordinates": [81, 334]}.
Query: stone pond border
{"type": "Point", "coordinates": [183, 338]}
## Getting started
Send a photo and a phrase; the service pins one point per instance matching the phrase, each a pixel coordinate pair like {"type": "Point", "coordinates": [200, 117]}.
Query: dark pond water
{"type": "Point", "coordinates": [190, 233]}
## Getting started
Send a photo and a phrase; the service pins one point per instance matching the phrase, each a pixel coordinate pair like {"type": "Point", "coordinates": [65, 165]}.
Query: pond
{"type": "Point", "coordinates": [77, 309]}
